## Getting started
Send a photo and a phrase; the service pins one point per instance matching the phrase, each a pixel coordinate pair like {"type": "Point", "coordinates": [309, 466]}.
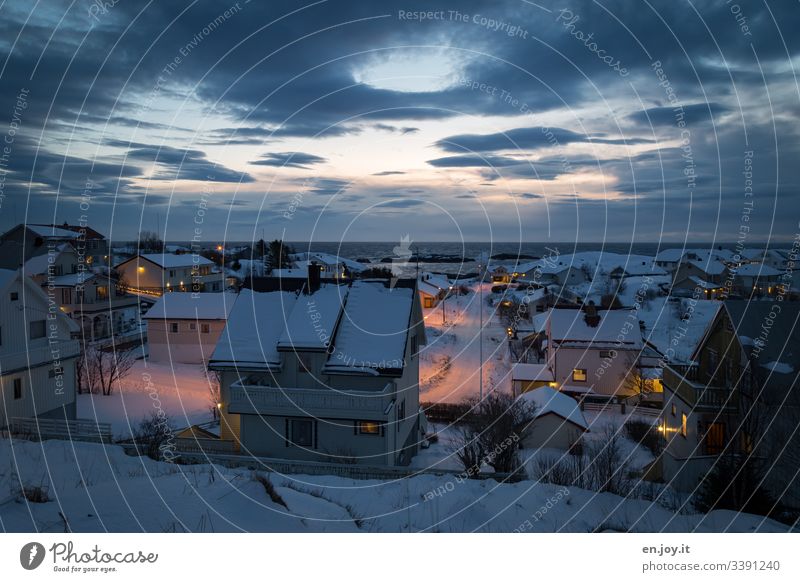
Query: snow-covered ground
{"type": "Point", "coordinates": [450, 363]}
{"type": "Point", "coordinates": [91, 487]}
{"type": "Point", "coordinates": [181, 390]}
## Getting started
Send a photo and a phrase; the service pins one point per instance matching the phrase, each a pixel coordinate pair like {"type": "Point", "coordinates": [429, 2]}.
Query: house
{"type": "Point", "coordinates": [557, 422]}
{"type": "Point", "coordinates": [37, 353]}
{"type": "Point", "coordinates": [184, 327]}
{"type": "Point", "coordinates": [709, 268]}
{"type": "Point", "coordinates": [158, 273]}
{"type": "Point", "coordinates": [594, 352]}
{"type": "Point", "coordinates": [326, 373]}
{"type": "Point", "coordinates": [701, 397]}
{"type": "Point", "coordinates": [669, 259]}
{"type": "Point", "coordinates": [24, 241]}
{"type": "Point", "coordinates": [96, 302]}
{"type": "Point", "coordinates": [501, 275]}
{"type": "Point", "coordinates": [432, 289]}
{"type": "Point", "coordinates": [525, 377]}
{"type": "Point", "coordinates": [755, 279]}
{"type": "Point", "coordinates": [333, 267]}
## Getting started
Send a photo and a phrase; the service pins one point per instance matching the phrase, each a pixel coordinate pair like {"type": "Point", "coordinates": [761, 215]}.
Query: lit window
{"type": "Point", "coordinates": [683, 424]}
{"type": "Point", "coordinates": [579, 375]}
{"type": "Point", "coordinates": [369, 427]}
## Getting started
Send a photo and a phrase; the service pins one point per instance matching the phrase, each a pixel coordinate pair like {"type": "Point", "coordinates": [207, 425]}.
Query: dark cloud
{"type": "Point", "coordinates": [526, 138]}
{"type": "Point", "coordinates": [690, 114]}
{"type": "Point", "coordinates": [289, 160]}
{"type": "Point", "coordinates": [388, 173]}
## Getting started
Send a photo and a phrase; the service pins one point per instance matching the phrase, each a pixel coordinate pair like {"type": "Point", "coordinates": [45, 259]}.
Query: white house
{"type": "Point", "coordinates": [184, 327]}
{"type": "Point", "coordinates": [37, 354]}
{"type": "Point", "coordinates": [159, 273]}
{"type": "Point", "coordinates": [593, 351]}
{"type": "Point", "coordinates": [330, 374]}
{"type": "Point", "coordinates": [333, 266]}
{"type": "Point", "coordinates": [557, 422]}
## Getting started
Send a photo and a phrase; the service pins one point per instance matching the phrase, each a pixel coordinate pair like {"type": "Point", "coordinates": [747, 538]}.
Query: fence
{"type": "Point", "coordinates": [621, 408]}
{"type": "Point", "coordinates": [46, 428]}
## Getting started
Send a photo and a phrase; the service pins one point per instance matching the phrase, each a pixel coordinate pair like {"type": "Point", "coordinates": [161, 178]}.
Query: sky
{"type": "Point", "coordinates": [446, 120]}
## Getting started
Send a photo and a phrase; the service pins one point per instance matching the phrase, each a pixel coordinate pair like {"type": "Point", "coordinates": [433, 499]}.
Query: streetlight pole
{"type": "Point", "coordinates": [480, 330]}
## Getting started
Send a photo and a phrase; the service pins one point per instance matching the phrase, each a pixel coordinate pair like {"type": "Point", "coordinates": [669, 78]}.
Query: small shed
{"type": "Point", "coordinates": [558, 422]}
{"type": "Point", "coordinates": [525, 377]}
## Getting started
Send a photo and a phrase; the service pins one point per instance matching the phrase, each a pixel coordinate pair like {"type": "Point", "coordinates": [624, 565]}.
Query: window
{"type": "Point", "coordinates": [713, 361]}
{"type": "Point", "coordinates": [303, 362]}
{"type": "Point", "coordinates": [608, 354]}
{"type": "Point", "coordinates": [172, 273]}
{"type": "Point", "coordinates": [714, 440]}
{"type": "Point", "coordinates": [427, 302]}
{"type": "Point", "coordinates": [14, 296]}
{"type": "Point", "coordinates": [205, 328]}
{"type": "Point", "coordinates": [192, 326]}
{"type": "Point", "coordinates": [579, 375]}
{"type": "Point", "coordinates": [300, 432]}
{"type": "Point", "coordinates": [173, 327]}
{"type": "Point", "coordinates": [102, 292]}
{"type": "Point", "coordinates": [401, 414]}
{"type": "Point", "coordinates": [369, 427]}
{"type": "Point", "coordinates": [37, 329]}
{"type": "Point", "coordinates": [17, 388]}
{"type": "Point", "coordinates": [683, 424]}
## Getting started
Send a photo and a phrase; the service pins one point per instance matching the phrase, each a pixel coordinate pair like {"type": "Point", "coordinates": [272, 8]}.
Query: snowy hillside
{"type": "Point", "coordinates": [92, 487]}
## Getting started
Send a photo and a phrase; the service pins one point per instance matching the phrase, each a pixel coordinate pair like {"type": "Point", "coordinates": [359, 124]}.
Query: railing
{"type": "Point", "coordinates": [48, 428]}
{"type": "Point", "coordinates": [713, 397]}
{"type": "Point", "coordinates": [329, 403]}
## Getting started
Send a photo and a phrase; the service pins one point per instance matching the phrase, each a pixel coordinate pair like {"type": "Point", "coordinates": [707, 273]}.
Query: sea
{"type": "Point", "coordinates": [461, 259]}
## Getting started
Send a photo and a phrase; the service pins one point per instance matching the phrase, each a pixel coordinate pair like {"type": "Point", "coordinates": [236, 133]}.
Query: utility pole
{"type": "Point", "coordinates": [480, 330]}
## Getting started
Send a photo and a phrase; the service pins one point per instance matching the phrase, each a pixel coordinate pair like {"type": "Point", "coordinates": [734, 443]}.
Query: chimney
{"type": "Point", "coordinates": [591, 317]}
{"type": "Point", "coordinates": [314, 275]}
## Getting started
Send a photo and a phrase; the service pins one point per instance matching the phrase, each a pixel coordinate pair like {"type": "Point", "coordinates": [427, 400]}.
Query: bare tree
{"type": "Point", "coordinates": [214, 398]}
{"type": "Point", "coordinates": [99, 371]}
{"type": "Point", "coordinates": [490, 433]}
{"type": "Point", "coordinates": [150, 242]}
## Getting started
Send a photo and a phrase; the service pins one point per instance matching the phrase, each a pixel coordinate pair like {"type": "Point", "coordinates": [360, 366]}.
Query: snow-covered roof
{"type": "Point", "coordinates": [192, 306]}
{"type": "Point", "coordinates": [51, 232]}
{"type": "Point", "coordinates": [255, 323]}
{"type": "Point", "coordinates": [312, 321]}
{"type": "Point", "coordinates": [702, 283]}
{"type": "Point", "coordinates": [569, 327]}
{"type": "Point", "coordinates": [439, 281]}
{"type": "Point", "coordinates": [168, 261]}
{"type": "Point", "coordinates": [757, 270]}
{"type": "Point", "coordinates": [676, 328]}
{"type": "Point", "coordinates": [290, 273]}
{"type": "Point", "coordinates": [374, 327]}
{"type": "Point", "coordinates": [38, 265]}
{"type": "Point", "coordinates": [779, 367]}
{"type": "Point", "coordinates": [366, 323]}
{"type": "Point", "coordinates": [531, 372]}
{"type": "Point", "coordinates": [711, 266]}
{"type": "Point", "coordinates": [550, 401]}
{"type": "Point", "coordinates": [426, 287]}
{"type": "Point", "coordinates": [670, 255]}
{"type": "Point", "coordinates": [328, 259]}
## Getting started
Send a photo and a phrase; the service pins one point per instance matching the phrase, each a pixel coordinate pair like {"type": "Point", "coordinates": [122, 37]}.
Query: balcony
{"type": "Point", "coordinates": [698, 394]}
{"type": "Point", "coordinates": [323, 403]}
